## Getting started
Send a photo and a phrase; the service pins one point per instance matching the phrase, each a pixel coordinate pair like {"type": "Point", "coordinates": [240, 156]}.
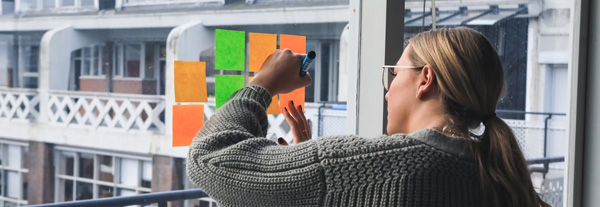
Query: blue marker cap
{"type": "Point", "coordinates": [306, 63]}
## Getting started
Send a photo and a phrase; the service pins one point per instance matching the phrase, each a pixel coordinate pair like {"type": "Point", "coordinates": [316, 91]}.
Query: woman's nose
{"type": "Point", "coordinates": [386, 95]}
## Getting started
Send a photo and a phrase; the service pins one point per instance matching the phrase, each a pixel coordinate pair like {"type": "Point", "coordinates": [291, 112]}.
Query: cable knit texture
{"type": "Point", "coordinates": [233, 162]}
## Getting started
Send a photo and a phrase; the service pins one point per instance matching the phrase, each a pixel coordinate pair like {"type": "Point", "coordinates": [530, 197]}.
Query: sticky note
{"type": "Point", "coordinates": [295, 43]}
{"type": "Point", "coordinates": [261, 46]}
{"type": "Point", "coordinates": [230, 50]}
{"type": "Point", "coordinates": [187, 121]}
{"type": "Point", "coordinates": [190, 81]}
{"type": "Point", "coordinates": [297, 96]}
{"type": "Point", "coordinates": [274, 107]}
{"type": "Point", "coordinates": [225, 86]}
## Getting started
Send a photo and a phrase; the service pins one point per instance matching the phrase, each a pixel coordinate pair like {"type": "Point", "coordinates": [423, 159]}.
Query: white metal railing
{"type": "Point", "coordinates": [135, 3]}
{"type": "Point", "coordinates": [121, 112]}
{"type": "Point", "coordinates": [18, 104]}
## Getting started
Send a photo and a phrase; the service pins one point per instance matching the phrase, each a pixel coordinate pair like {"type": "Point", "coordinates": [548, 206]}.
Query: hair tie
{"type": "Point", "coordinates": [487, 118]}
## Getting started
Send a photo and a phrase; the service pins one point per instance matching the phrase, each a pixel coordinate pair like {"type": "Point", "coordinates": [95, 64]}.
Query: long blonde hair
{"type": "Point", "coordinates": [470, 77]}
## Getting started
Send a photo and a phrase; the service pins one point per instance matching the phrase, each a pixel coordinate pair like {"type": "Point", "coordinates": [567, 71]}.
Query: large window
{"type": "Point", "coordinates": [535, 55]}
{"type": "Point", "coordinates": [89, 61]}
{"type": "Point", "coordinates": [139, 60]}
{"type": "Point", "coordinates": [13, 174]}
{"type": "Point", "coordinates": [90, 175]}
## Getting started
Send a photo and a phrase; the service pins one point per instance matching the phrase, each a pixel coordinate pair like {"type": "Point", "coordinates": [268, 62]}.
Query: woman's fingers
{"type": "Point", "coordinates": [302, 119]}
{"type": "Point", "coordinates": [299, 125]}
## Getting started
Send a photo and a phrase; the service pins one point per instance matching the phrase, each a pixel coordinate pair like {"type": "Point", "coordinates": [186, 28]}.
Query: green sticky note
{"type": "Point", "coordinates": [230, 50]}
{"type": "Point", "coordinates": [225, 86]}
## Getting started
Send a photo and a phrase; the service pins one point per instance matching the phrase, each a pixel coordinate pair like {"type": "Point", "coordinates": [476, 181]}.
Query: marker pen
{"type": "Point", "coordinates": [306, 63]}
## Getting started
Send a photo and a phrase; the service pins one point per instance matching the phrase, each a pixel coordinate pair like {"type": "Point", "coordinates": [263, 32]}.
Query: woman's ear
{"type": "Point", "coordinates": [427, 82]}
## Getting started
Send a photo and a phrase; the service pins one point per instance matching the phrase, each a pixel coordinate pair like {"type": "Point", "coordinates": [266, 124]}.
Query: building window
{"type": "Point", "coordinates": [13, 175]}
{"type": "Point", "coordinates": [128, 59]}
{"type": "Point", "coordinates": [88, 60]}
{"type": "Point", "coordinates": [87, 175]}
{"type": "Point", "coordinates": [28, 5]}
{"type": "Point", "coordinates": [29, 59]}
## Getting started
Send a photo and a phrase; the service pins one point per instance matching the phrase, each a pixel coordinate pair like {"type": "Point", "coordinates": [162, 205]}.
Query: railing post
{"type": "Point", "coordinates": [546, 134]}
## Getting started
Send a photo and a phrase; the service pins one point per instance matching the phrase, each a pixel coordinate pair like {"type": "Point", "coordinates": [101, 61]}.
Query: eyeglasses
{"type": "Point", "coordinates": [389, 75]}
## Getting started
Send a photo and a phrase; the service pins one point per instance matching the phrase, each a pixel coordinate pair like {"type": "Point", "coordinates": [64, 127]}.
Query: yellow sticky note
{"type": "Point", "coordinates": [187, 121]}
{"type": "Point", "coordinates": [190, 81]}
{"type": "Point", "coordinates": [261, 46]}
{"type": "Point", "coordinates": [274, 107]}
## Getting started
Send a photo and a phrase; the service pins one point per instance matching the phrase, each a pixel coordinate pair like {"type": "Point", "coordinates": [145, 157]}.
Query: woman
{"type": "Point", "coordinates": [446, 82]}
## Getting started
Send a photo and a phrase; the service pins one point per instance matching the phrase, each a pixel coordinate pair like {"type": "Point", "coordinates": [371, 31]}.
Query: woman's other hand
{"type": "Point", "coordinates": [300, 126]}
{"type": "Point", "coordinates": [280, 73]}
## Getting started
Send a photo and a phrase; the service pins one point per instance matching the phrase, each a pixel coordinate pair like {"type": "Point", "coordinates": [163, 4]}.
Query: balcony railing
{"type": "Point", "coordinates": [120, 112]}
{"type": "Point", "coordinates": [145, 199]}
{"type": "Point", "coordinates": [19, 105]}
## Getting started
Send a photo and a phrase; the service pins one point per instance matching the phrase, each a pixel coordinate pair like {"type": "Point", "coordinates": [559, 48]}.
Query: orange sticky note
{"type": "Point", "coordinates": [187, 121]}
{"type": "Point", "coordinates": [274, 107]}
{"type": "Point", "coordinates": [295, 43]}
{"type": "Point", "coordinates": [297, 96]}
{"type": "Point", "coordinates": [190, 81]}
{"type": "Point", "coordinates": [261, 46]}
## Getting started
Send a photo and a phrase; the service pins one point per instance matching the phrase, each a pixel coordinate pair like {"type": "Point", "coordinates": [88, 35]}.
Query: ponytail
{"type": "Point", "coordinates": [503, 170]}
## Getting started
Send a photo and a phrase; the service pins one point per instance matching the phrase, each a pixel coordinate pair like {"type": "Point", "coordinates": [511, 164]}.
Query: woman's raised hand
{"type": "Point", "coordinates": [300, 126]}
{"type": "Point", "coordinates": [280, 73]}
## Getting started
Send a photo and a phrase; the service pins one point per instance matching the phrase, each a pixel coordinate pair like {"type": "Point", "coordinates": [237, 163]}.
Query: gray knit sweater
{"type": "Point", "coordinates": [233, 162]}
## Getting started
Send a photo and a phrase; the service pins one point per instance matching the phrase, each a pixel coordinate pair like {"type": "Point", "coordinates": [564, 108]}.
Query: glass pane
{"type": "Point", "coordinates": [66, 163]}
{"type": "Point", "coordinates": [149, 61]}
{"type": "Point", "coordinates": [67, 2]}
{"type": "Point", "coordinates": [10, 204]}
{"type": "Point", "coordinates": [129, 172]}
{"type": "Point", "coordinates": [325, 67]}
{"type": "Point", "coordinates": [87, 3]}
{"type": "Point", "coordinates": [31, 55]}
{"type": "Point", "coordinates": [125, 192]}
{"type": "Point", "coordinates": [27, 5]}
{"type": "Point", "coordinates": [24, 185]}
{"type": "Point", "coordinates": [117, 60]}
{"type": "Point", "coordinates": [24, 157]}
{"type": "Point", "coordinates": [84, 191]}
{"type": "Point", "coordinates": [106, 169]}
{"type": "Point", "coordinates": [95, 58]}
{"type": "Point", "coordinates": [14, 156]}
{"type": "Point", "coordinates": [47, 4]}
{"type": "Point", "coordinates": [65, 190]}
{"type": "Point", "coordinates": [535, 55]}
{"type": "Point", "coordinates": [30, 82]}
{"type": "Point", "coordinates": [87, 64]}
{"type": "Point", "coordinates": [12, 184]}
{"type": "Point", "coordinates": [146, 174]}
{"type": "Point", "coordinates": [132, 60]}
{"type": "Point", "coordinates": [105, 191]}
{"type": "Point", "coordinates": [101, 60]}
{"type": "Point", "coordinates": [2, 191]}
{"type": "Point", "coordinates": [86, 165]}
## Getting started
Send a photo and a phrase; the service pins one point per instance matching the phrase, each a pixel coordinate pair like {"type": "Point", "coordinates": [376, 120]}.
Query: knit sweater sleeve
{"type": "Point", "coordinates": [232, 161]}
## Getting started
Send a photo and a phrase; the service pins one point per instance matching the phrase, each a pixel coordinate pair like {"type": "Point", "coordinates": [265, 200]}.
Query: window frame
{"type": "Point", "coordinates": [98, 50]}
{"type": "Point", "coordinates": [95, 181]}
{"type": "Point", "coordinates": [4, 168]}
{"type": "Point", "coordinates": [120, 58]}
